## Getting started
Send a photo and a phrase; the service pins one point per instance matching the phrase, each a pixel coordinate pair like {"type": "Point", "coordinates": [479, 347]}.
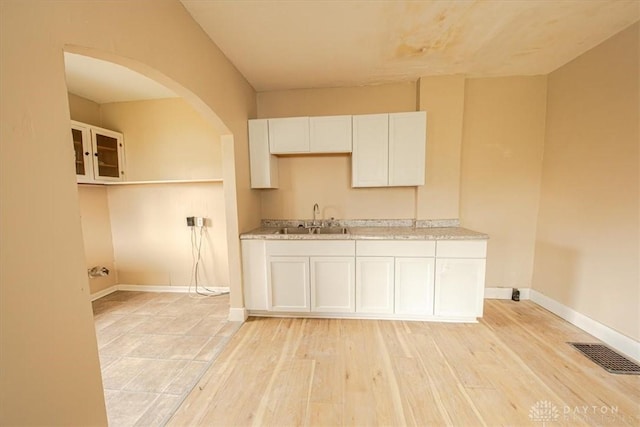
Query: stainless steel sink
{"type": "Point", "coordinates": [319, 230]}
{"type": "Point", "coordinates": [331, 230]}
{"type": "Point", "coordinates": [294, 230]}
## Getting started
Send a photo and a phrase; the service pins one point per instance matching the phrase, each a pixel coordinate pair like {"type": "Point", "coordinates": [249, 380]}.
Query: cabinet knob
{"type": "Point", "coordinates": [95, 154]}
{"type": "Point", "coordinates": [86, 153]}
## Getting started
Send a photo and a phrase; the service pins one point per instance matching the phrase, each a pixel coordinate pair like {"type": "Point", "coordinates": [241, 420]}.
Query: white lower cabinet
{"type": "Point", "coordinates": [374, 284]}
{"type": "Point", "coordinates": [288, 280]}
{"type": "Point", "coordinates": [459, 287]}
{"type": "Point", "coordinates": [332, 284]}
{"type": "Point", "coordinates": [305, 275]}
{"type": "Point", "coordinates": [409, 279]}
{"type": "Point", "coordinates": [414, 278]}
{"type": "Point", "coordinates": [459, 278]}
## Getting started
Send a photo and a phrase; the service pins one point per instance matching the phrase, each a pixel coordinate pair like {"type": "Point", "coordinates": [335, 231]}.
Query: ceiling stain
{"type": "Point", "coordinates": [279, 44]}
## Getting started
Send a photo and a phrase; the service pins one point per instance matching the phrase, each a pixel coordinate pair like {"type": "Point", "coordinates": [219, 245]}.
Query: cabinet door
{"type": "Point", "coordinates": [288, 280]}
{"type": "Point", "coordinates": [254, 274]}
{"type": "Point", "coordinates": [374, 284]}
{"type": "Point", "coordinates": [407, 144]}
{"type": "Point", "coordinates": [263, 165]}
{"type": "Point", "coordinates": [370, 160]}
{"type": "Point", "coordinates": [330, 134]}
{"type": "Point", "coordinates": [289, 135]}
{"type": "Point", "coordinates": [459, 287]}
{"type": "Point", "coordinates": [414, 279]}
{"type": "Point", "coordinates": [81, 137]}
{"type": "Point", "coordinates": [108, 155]}
{"type": "Point", "coordinates": [332, 284]}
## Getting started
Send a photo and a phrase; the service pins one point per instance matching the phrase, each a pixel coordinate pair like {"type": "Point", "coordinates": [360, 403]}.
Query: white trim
{"type": "Point", "coordinates": [104, 292]}
{"type": "Point", "coordinates": [615, 339]}
{"type": "Point", "coordinates": [153, 288]}
{"type": "Point", "coordinates": [505, 293]}
{"type": "Point", "coordinates": [364, 316]}
{"type": "Point", "coordinates": [238, 314]}
{"type": "Point", "coordinates": [168, 181]}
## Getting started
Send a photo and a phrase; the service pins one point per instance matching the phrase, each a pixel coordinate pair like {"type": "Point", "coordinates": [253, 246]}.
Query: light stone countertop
{"type": "Point", "coordinates": [373, 233]}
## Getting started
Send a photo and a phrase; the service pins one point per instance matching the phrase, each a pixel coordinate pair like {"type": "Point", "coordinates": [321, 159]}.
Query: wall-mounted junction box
{"type": "Point", "coordinates": [195, 221]}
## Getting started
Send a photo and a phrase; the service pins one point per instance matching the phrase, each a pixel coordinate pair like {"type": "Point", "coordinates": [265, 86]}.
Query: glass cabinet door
{"type": "Point", "coordinates": [108, 155]}
{"type": "Point", "coordinates": [82, 150]}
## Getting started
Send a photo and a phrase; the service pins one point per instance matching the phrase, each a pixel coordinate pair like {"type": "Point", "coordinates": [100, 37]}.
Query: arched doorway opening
{"type": "Point", "coordinates": [118, 197]}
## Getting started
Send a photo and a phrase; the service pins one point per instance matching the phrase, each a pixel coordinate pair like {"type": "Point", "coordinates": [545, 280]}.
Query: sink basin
{"type": "Point", "coordinates": [322, 230]}
{"type": "Point", "coordinates": [331, 230]}
{"type": "Point", "coordinates": [294, 230]}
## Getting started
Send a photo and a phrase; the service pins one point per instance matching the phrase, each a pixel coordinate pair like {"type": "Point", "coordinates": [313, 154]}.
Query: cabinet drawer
{"type": "Point", "coordinates": [413, 248]}
{"type": "Point", "coordinates": [311, 248]}
{"type": "Point", "coordinates": [462, 249]}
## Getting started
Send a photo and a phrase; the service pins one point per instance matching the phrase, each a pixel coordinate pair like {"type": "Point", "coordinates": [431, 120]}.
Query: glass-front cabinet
{"type": "Point", "coordinates": [99, 153]}
{"type": "Point", "coordinates": [82, 149]}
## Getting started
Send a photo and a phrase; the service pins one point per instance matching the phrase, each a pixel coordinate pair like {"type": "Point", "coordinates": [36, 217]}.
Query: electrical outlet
{"type": "Point", "coordinates": [191, 221]}
{"type": "Point", "coordinates": [199, 221]}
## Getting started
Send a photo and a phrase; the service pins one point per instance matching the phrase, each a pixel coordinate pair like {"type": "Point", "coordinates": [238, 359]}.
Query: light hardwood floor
{"type": "Point", "coordinates": [512, 368]}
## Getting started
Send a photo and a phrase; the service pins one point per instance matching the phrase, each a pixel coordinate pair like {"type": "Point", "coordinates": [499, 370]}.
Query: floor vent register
{"type": "Point", "coordinates": [608, 359]}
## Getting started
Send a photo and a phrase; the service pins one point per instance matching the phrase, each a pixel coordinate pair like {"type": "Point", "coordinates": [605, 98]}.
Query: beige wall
{"type": "Point", "coordinates": [49, 362]}
{"type": "Point", "coordinates": [587, 242]}
{"type": "Point", "coordinates": [504, 122]}
{"type": "Point", "coordinates": [304, 179]}
{"type": "Point", "coordinates": [326, 180]}
{"type": "Point", "coordinates": [442, 98]}
{"type": "Point", "coordinates": [151, 240]}
{"type": "Point", "coordinates": [165, 139]}
{"type": "Point", "coordinates": [94, 208]}
{"type": "Point", "coordinates": [96, 234]}
{"type": "Point", "coordinates": [484, 154]}
{"type": "Point", "coordinates": [84, 110]}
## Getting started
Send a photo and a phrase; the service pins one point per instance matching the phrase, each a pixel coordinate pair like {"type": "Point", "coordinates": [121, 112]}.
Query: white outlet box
{"type": "Point", "coordinates": [199, 221]}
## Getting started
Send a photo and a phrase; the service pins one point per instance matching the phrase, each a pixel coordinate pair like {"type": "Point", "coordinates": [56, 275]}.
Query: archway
{"type": "Point", "coordinates": [228, 160]}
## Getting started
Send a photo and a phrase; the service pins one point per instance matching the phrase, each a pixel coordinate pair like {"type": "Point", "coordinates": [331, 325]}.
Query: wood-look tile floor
{"type": "Point", "coordinates": [153, 348]}
{"type": "Point", "coordinates": [512, 368]}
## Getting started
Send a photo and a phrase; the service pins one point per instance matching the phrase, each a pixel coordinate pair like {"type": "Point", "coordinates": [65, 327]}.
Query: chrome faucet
{"type": "Point", "coordinates": [316, 212]}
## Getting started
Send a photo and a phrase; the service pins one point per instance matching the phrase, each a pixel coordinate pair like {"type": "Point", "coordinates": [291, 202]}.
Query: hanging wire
{"type": "Point", "coordinates": [196, 260]}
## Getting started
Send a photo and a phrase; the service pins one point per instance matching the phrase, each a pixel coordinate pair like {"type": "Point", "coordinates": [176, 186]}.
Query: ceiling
{"type": "Point", "coordinates": [103, 81]}
{"type": "Point", "coordinates": [287, 44]}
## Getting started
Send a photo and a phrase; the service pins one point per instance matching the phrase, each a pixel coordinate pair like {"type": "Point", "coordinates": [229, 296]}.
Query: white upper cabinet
{"type": "Point", "coordinates": [81, 136]}
{"type": "Point", "coordinates": [389, 149]}
{"type": "Point", "coordinates": [370, 161]}
{"type": "Point", "coordinates": [330, 134]}
{"type": "Point", "coordinates": [108, 155]}
{"type": "Point", "coordinates": [289, 135]}
{"type": "Point", "coordinates": [407, 144]}
{"type": "Point", "coordinates": [263, 165]}
{"type": "Point", "coordinates": [299, 135]}
{"type": "Point", "coordinates": [99, 153]}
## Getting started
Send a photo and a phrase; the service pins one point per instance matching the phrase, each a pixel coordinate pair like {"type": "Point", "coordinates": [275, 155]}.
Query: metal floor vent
{"type": "Point", "coordinates": [607, 358]}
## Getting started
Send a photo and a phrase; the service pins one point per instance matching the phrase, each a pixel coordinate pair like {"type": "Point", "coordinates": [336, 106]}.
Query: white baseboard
{"type": "Point", "coordinates": [152, 288]}
{"type": "Point", "coordinates": [505, 293]}
{"type": "Point", "coordinates": [616, 340]}
{"type": "Point", "coordinates": [104, 292]}
{"type": "Point", "coordinates": [238, 314]}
